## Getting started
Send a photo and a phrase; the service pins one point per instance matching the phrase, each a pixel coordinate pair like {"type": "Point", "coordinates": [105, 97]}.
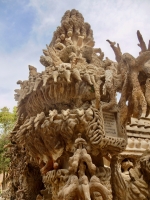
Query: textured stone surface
{"type": "Point", "coordinates": [70, 124]}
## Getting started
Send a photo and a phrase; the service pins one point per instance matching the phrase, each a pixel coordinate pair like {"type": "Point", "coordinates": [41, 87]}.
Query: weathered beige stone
{"type": "Point", "coordinates": [70, 124]}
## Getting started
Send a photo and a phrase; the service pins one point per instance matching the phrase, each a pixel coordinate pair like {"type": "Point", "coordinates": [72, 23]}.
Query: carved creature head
{"type": "Point", "coordinates": [126, 165]}
{"type": "Point", "coordinates": [65, 112]}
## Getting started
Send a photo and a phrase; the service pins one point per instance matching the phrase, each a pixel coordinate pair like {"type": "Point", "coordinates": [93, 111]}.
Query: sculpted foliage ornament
{"type": "Point", "coordinates": [69, 120]}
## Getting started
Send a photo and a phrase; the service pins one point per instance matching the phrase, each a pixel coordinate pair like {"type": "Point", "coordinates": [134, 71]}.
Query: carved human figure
{"type": "Point", "coordinates": [83, 182]}
{"type": "Point", "coordinates": [126, 165]}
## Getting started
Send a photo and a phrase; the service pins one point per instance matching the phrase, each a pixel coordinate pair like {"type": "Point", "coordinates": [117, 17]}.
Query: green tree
{"type": "Point", "coordinates": [4, 161]}
{"type": "Point", "coordinates": [7, 121]}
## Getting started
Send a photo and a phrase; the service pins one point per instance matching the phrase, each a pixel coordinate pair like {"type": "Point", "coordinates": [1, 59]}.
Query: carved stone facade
{"type": "Point", "coordinates": [69, 122]}
{"type": "Point", "coordinates": [138, 132]}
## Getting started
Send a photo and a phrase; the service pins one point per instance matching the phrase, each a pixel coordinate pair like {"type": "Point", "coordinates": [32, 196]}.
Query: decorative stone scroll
{"type": "Point", "coordinates": [64, 132]}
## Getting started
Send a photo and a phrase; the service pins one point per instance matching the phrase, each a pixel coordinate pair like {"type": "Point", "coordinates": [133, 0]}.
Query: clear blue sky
{"type": "Point", "coordinates": [26, 26]}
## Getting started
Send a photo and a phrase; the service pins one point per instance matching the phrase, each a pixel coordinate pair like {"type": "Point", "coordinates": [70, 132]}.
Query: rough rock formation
{"type": "Point", "coordinates": [69, 122]}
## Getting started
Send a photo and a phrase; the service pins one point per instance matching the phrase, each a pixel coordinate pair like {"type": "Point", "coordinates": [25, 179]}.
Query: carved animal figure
{"type": "Point", "coordinates": [130, 183]}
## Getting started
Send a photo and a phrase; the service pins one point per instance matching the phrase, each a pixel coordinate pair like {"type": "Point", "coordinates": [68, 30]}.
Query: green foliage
{"type": "Point", "coordinates": [7, 121]}
{"type": "Point", "coordinates": [4, 161]}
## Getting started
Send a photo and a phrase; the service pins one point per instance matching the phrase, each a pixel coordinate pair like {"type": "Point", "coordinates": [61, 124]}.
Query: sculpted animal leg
{"type": "Point", "coordinates": [76, 74]}
{"type": "Point", "coordinates": [36, 84]}
{"type": "Point", "coordinates": [144, 106]}
{"type": "Point", "coordinates": [45, 78]}
{"type": "Point", "coordinates": [67, 74]}
{"type": "Point", "coordinates": [55, 76]}
{"type": "Point", "coordinates": [87, 78]}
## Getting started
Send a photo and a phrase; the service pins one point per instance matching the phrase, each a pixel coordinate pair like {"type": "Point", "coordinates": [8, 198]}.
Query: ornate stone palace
{"type": "Point", "coordinates": [72, 139]}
